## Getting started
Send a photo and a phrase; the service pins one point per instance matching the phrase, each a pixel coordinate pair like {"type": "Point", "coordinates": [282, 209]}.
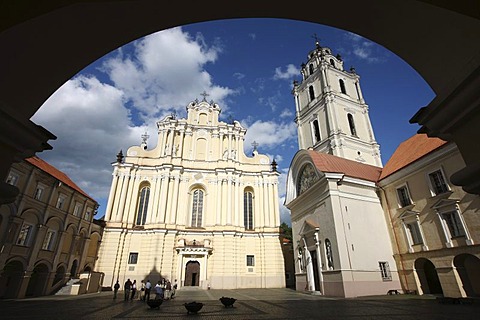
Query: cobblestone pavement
{"type": "Point", "coordinates": [250, 304]}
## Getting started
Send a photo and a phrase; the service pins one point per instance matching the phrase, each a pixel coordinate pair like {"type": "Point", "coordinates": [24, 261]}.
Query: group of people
{"type": "Point", "coordinates": [163, 290]}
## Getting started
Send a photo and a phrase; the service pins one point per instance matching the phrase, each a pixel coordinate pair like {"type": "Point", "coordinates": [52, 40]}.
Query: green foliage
{"type": "Point", "coordinates": [286, 231]}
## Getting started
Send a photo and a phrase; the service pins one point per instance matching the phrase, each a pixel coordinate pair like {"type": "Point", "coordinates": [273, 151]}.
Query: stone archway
{"type": "Point", "coordinates": [38, 280]}
{"type": "Point", "coordinates": [11, 279]}
{"type": "Point", "coordinates": [59, 276]}
{"type": "Point", "coordinates": [192, 274]}
{"type": "Point", "coordinates": [74, 269]}
{"type": "Point", "coordinates": [468, 269]}
{"type": "Point", "coordinates": [427, 274]}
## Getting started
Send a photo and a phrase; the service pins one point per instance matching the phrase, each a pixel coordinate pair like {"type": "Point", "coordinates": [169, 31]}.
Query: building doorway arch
{"type": "Point", "coordinates": [427, 274]}
{"type": "Point", "coordinates": [38, 281]}
{"type": "Point", "coordinates": [11, 279]}
{"type": "Point", "coordinates": [73, 269]}
{"type": "Point", "coordinates": [468, 269]}
{"type": "Point", "coordinates": [192, 274]}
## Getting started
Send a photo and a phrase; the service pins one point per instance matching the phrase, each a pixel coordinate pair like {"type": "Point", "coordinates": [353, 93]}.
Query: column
{"type": "Point", "coordinates": [161, 213]}
{"type": "Point", "coordinates": [123, 194]}
{"type": "Point", "coordinates": [229, 206]}
{"type": "Point", "coordinates": [174, 199]}
{"type": "Point", "coordinates": [319, 260]}
{"type": "Point", "coordinates": [219, 201]}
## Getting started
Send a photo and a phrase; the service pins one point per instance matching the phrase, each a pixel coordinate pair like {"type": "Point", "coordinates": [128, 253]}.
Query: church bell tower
{"type": "Point", "coordinates": [331, 114]}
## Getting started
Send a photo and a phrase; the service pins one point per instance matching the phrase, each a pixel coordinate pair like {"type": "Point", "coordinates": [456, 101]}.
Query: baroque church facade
{"type": "Point", "coordinates": [194, 208]}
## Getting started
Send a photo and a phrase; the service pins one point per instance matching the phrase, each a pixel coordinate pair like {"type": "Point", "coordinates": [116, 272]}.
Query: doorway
{"type": "Point", "coordinates": [192, 274]}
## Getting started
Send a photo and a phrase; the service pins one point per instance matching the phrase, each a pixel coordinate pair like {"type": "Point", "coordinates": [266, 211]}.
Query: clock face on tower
{"type": "Point", "coordinates": [307, 177]}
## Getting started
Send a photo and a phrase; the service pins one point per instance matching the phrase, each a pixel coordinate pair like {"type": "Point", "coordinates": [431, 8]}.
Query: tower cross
{"type": "Point", "coordinates": [205, 95]}
{"type": "Point", "coordinates": [255, 145]}
{"type": "Point", "coordinates": [145, 136]}
{"type": "Point", "coordinates": [317, 40]}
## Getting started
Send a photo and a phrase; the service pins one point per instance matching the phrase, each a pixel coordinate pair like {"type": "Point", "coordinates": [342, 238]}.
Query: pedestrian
{"type": "Point", "coordinates": [174, 289]}
{"type": "Point", "coordinates": [115, 289]}
{"type": "Point", "coordinates": [148, 288]}
{"type": "Point", "coordinates": [141, 296]}
{"type": "Point", "coordinates": [158, 291]}
{"type": "Point", "coordinates": [134, 290]}
{"type": "Point", "coordinates": [168, 290]}
{"type": "Point", "coordinates": [127, 287]}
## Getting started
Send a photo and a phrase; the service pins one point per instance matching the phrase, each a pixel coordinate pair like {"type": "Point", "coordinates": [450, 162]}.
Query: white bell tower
{"type": "Point", "coordinates": [331, 114]}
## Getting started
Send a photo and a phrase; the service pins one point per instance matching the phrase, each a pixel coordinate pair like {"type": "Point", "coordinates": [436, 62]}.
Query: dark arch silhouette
{"type": "Point", "coordinates": [428, 276]}
{"type": "Point", "coordinates": [468, 269]}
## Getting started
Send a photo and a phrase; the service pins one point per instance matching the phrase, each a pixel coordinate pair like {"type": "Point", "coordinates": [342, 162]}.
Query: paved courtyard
{"type": "Point", "coordinates": [250, 304]}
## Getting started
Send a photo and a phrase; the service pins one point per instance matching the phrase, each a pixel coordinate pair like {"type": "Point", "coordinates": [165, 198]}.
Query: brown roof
{"type": "Point", "coordinates": [54, 172]}
{"type": "Point", "coordinates": [330, 163]}
{"type": "Point", "coordinates": [410, 151]}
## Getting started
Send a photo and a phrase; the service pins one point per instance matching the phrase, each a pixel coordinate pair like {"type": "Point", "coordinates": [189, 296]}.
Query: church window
{"type": "Point", "coordinates": [311, 93]}
{"type": "Point", "coordinates": [351, 123]}
{"type": "Point", "coordinates": [12, 178]}
{"type": "Point", "coordinates": [385, 270]}
{"type": "Point", "coordinates": [316, 130]}
{"type": "Point", "coordinates": [197, 208]}
{"type": "Point", "coordinates": [403, 196]}
{"type": "Point", "coordinates": [342, 87]}
{"type": "Point", "coordinates": [307, 177]}
{"type": "Point", "coordinates": [133, 258]}
{"type": "Point", "coordinates": [332, 62]}
{"type": "Point", "coordinates": [310, 67]}
{"type": "Point", "coordinates": [77, 209]}
{"type": "Point", "coordinates": [248, 209]}
{"type": "Point", "coordinates": [38, 192]}
{"type": "Point", "coordinates": [142, 205]}
{"type": "Point", "coordinates": [250, 260]}
{"type": "Point", "coordinates": [328, 250]}
{"type": "Point", "coordinates": [437, 182]}
{"type": "Point", "coordinates": [60, 201]}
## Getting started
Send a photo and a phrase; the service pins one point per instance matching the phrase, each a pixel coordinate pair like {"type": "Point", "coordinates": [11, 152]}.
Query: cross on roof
{"type": "Point", "coordinates": [317, 40]}
{"type": "Point", "coordinates": [204, 94]}
{"type": "Point", "coordinates": [255, 145]}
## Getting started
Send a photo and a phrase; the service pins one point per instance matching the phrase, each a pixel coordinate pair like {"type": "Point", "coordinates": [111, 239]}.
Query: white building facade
{"type": "Point", "coordinates": [341, 239]}
{"type": "Point", "coordinates": [195, 208]}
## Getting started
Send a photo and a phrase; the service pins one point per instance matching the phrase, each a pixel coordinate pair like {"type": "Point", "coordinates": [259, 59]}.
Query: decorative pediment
{"type": "Point", "coordinates": [307, 177]}
{"type": "Point", "coordinates": [444, 203]}
{"type": "Point", "coordinates": [309, 226]}
{"type": "Point", "coordinates": [408, 214]}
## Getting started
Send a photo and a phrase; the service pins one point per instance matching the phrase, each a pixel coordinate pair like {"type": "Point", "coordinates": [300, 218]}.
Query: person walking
{"type": "Point", "coordinates": [115, 289]}
{"type": "Point", "coordinates": [141, 295]}
{"type": "Point", "coordinates": [134, 290]}
{"type": "Point", "coordinates": [158, 291]}
{"type": "Point", "coordinates": [127, 287]}
{"type": "Point", "coordinates": [174, 289]}
{"type": "Point", "coordinates": [168, 289]}
{"type": "Point", "coordinates": [148, 288]}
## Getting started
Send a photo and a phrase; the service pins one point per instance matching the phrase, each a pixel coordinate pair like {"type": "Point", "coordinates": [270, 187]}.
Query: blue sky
{"type": "Point", "coordinates": [247, 66]}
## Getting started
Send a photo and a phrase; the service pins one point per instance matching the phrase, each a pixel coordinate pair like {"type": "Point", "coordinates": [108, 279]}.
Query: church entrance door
{"type": "Point", "coordinates": [192, 274]}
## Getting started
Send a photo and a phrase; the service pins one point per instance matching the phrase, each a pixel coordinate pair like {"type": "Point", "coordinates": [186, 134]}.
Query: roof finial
{"type": "Point", "coordinates": [255, 145]}
{"type": "Point", "coordinates": [145, 137]}
{"type": "Point", "coordinates": [317, 41]}
{"type": "Point", "coordinates": [120, 156]}
{"type": "Point", "coordinates": [204, 94]}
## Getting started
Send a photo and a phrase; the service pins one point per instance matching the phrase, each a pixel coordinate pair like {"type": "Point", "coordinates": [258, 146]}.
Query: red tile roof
{"type": "Point", "coordinates": [330, 163]}
{"type": "Point", "coordinates": [410, 151]}
{"type": "Point", "coordinates": [54, 172]}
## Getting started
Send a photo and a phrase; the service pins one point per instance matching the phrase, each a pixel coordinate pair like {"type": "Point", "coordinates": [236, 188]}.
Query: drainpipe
{"type": "Point", "coordinates": [395, 237]}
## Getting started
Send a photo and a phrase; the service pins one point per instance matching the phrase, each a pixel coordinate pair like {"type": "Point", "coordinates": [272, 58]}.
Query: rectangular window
{"type": "Point", "coordinates": [77, 209]}
{"type": "Point", "coordinates": [12, 179]}
{"type": "Point", "coordinates": [415, 234]}
{"type": "Point", "coordinates": [38, 193]}
{"type": "Point", "coordinates": [403, 196]}
{"type": "Point", "coordinates": [385, 271]}
{"type": "Point", "coordinates": [49, 240]}
{"type": "Point", "coordinates": [25, 234]}
{"type": "Point", "coordinates": [88, 214]}
{"type": "Point", "coordinates": [454, 225]}
{"type": "Point", "coordinates": [60, 201]}
{"type": "Point", "coordinates": [133, 258]}
{"type": "Point", "coordinates": [438, 182]}
{"type": "Point", "coordinates": [250, 261]}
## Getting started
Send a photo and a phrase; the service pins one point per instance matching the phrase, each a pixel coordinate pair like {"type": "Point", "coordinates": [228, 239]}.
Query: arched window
{"type": "Point", "coordinates": [316, 130]}
{"type": "Point", "coordinates": [143, 196]}
{"type": "Point", "coordinates": [328, 250]}
{"type": "Point", "coordinates": [342, 87]}
{"type": "Point", "coordinates": [197, 208]}
{"type": "Point", "coordinates": [248, 209]}
{"type": "Point", "coordinates": [312, 93]}
{"type": "Point", "coordinates": [310, 69]}
{"type": "Point", "coordinates": [332, 62]}
{"type": "Point", "coordinates": [351, 123]}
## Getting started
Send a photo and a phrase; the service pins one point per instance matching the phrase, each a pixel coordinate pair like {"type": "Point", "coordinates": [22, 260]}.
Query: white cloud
{"type": "Point", "coordinates": [94, 120]}
{"type": "Point", "coordinates": [290, 72]}
{"type": "Point", "coordinates": [269, 134]}
{"type": "Point", "coordinates": [286, 113]}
